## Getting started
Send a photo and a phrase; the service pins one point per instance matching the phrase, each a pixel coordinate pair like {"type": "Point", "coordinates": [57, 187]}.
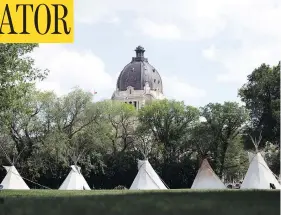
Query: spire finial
{"type": "Point", "coordinates": [139, 51]}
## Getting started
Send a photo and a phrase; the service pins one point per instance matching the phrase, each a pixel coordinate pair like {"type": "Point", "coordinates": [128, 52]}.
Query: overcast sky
{"type": "Point", "coordinates": [203, 49]}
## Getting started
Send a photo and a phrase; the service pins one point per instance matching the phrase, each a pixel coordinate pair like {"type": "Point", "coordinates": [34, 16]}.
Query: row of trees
{"type": "Point", "coordinates": [42, 134]}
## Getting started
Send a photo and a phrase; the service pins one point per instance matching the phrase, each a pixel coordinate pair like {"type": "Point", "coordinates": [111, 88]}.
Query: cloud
{"type": "Point", "coordinates": [252, 38]}
{"type": "Point", "coordinates": [156, 30]}
{"type": "Point", "coordinates": [114, 20]}
{"type": "Point", "coordinates": [210, 53]}
{"type": "Point", "coordinates": [195, 20]}
{"type": "Point", "coordinates": [237, 63]}
{"type": "Point", "coordinates": [186, 19]}
{"type": "Point", "coordinates": [243, 33]}
{"type": "Point", "coordinates": [89, 12]}
{"type": "Point", "coordinates": [174, 88]}
{"type": "Point", "coordinates": [240, 35]}
{"type": "Point", "coordinates": [70, 68]}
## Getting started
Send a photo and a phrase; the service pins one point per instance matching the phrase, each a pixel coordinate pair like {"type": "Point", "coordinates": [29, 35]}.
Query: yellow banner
{"type": "Point", "coordinates": [36, 21]}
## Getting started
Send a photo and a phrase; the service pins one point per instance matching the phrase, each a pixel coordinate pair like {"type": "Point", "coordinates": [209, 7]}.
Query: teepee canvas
{"type": "Point", "coordinates": [75, 180]}
{"type": "Point", "coordinates": [259, 176]}
{"type": "Point", "coordinates": [206, 178]}
{"type": "Point", "coordinates": [251, 155]}
{"type": "Point", "coordinates": [13, 180]}
{"type": "Point", "coordinates": [147, 178]}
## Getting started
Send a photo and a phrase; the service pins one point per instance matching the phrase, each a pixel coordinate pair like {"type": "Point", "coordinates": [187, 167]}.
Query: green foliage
{"type": "Point", "coordinates": [106, 138]}
{"type": "Point", "coordinates": [120, 119]}
{"type": "Point", "coordinates": [272, 157]}
{"type": "Point", "coordinates": [261, 95]}
{"type": "Point", "coordinates": [17, 74]}
{"type": "Point", "coordinates": [236, 161]}
{"type": "Point", "coordinates": [202, 140]}
{"type": "Point", "coordinates": [167, 121]}
{"type": "Point", "coordinates": [225, 122]}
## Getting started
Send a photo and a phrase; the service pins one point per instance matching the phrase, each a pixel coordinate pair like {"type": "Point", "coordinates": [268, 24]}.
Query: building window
{"type": "Point", "coordinates": [158, 82]}
{"type": "Point", "coordinates": [154, 80]}
{"type": "Point", "coordinates": [135, 104]}
{"type": "Point", "coordinates": [130, 91]}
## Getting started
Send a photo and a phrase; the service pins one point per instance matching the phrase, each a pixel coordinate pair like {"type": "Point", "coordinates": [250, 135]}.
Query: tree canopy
{"type": "Point", "coordinates": [18, 74]}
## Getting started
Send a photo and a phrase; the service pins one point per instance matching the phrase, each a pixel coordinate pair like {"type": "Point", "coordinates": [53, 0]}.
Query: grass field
{"type": "Point", "coordinates": [189, 202]}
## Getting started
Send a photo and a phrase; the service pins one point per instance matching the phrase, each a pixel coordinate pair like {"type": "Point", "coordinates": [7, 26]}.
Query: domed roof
{"type": "Point", "coordinates": [138, 72]}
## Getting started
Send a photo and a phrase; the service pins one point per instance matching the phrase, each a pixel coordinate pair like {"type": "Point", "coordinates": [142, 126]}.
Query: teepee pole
{"type": "Point", "coordinates": [15, 160]}
{"type": "Point", "coordinates": [256, 142]}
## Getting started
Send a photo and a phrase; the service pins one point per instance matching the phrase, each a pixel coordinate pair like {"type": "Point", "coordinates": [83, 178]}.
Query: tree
{"type": "Point", "coordinates": [71, 116]}
{"type": "Point", "coordinates": [168, 121]}
{"type": "Point", "coordinates": [202, 139]}
{"type": "Point", "coordinates": [261, 95]}
{"type": "Point", "coordinates": [226, 123]}
{"type": "Point", "coordinates": [17, 75]}
{"type": "Point", "coordinates": [53, 132]}
{"type": "Point", "coordinates": [144, 143]}
{"type": "Point", "coordinates": [272, 157]}
{"type": "Point", "coordinates": [236, 160]}
{"type": "Point", "coordinates": [29, 125]}
{"type": "Point", "coordinates": [121, 119]}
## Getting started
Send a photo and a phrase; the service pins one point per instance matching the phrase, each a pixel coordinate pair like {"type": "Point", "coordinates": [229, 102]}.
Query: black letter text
{"type": "Point", "coordinates": [10, 23]}
{"type": "Point", "coordinates": [65, 12]}
{"type": "Point", "coordinates": [24, 6]}
{"type": "Point", "coordinates": [36, 19]}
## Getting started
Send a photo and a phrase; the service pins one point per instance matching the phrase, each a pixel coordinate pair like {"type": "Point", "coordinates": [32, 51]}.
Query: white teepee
{"type": "Point", "coordinates": [259, 176]}
{"type": "Point", "coordinates": [147, 178]}
{"type": "Point", "coordinates": [13, 180]}
{"type": "Point", "coordinates": [206, 178]}
{"type": "Point", "coordinates": [75, 180]}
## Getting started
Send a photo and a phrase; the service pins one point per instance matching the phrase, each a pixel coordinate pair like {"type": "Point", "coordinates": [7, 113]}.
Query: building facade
{"type": "Point", "coordinates": [139, 82]}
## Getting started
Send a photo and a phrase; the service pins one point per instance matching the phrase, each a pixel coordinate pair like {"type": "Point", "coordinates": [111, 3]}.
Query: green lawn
{"type": "Point", "coordinates": [101, 202]}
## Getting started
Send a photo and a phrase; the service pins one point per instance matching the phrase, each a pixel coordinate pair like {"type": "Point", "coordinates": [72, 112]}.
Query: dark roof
{"type": "Point", "coordinates": [138, 72]}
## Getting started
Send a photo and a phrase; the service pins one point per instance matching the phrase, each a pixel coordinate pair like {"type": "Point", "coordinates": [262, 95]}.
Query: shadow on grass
{"type": "Point", "coordinates": [107, 202]}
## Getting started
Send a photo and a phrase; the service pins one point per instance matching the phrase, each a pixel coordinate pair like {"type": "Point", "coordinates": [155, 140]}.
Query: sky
{"type": "Point", "coordinates": [203, 49]}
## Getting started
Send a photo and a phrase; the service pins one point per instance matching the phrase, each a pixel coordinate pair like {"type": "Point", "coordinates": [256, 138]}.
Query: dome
{"type": "Point", "coordinates": [139, 72]}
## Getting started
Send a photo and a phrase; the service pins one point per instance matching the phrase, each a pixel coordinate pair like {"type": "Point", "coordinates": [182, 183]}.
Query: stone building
{"type": "Point", "coordinates": [139, 82]}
